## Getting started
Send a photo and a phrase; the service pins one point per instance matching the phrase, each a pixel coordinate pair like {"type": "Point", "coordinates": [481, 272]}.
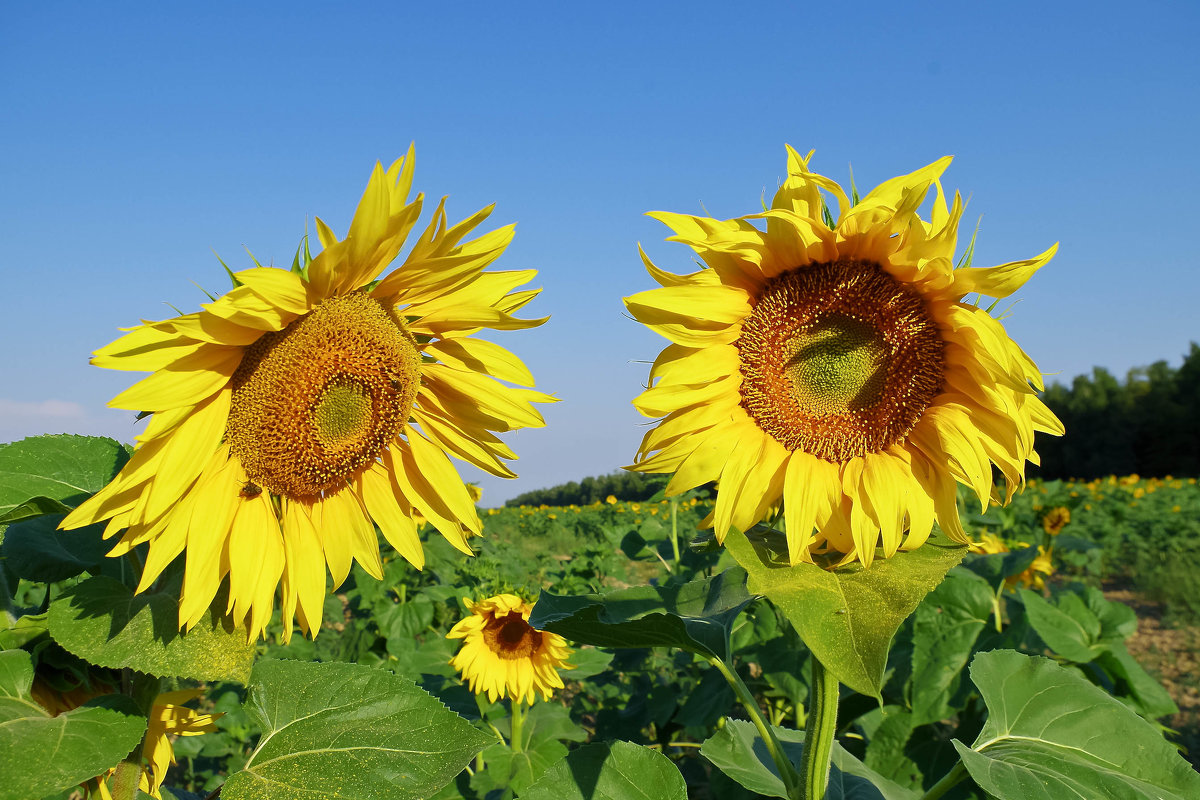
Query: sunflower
{"type": "Point", "coordinates": [1055, 520]}
{"type": "Point", "coordinates": [833, 365]}
{"type": "Point", "coordinates": [503, 656]}
{"type": "Point", "coordinates": [168, 717]}
{"type": "Point", "coordinates": [304, 405]}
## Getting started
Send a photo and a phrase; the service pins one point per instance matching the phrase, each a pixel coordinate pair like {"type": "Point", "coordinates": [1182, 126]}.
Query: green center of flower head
{"type": "Point", "coordinates": [839, 359]}
{"type": "Point", "coordinates": [343, 412]}
{"type": "Point", "coordinates": [838, 365]}
{"type": "Point", "coordinates": [320, 400]}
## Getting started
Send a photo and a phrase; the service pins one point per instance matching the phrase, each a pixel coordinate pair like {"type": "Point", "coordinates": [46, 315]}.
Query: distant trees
{"type": "Point", "coordinates": [627, 486]}
{"type": "Point", "coordinates": [1148, 424]}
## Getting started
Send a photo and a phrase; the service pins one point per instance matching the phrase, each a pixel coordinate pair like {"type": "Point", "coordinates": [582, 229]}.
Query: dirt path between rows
{"type": "Point", "coordinates": [1171, 654]}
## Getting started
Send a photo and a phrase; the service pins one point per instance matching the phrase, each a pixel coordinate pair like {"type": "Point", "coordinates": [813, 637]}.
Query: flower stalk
{"type": "Point", "coordinates": [818, 735]}
{"type": "Point", "coordinates": [518, 724]}
{"type": "Point", "coordinates": [791, 781]}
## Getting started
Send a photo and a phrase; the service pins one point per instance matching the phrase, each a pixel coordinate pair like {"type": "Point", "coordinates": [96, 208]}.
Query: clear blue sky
{"type": "Point", "coordinates": [138, 137]}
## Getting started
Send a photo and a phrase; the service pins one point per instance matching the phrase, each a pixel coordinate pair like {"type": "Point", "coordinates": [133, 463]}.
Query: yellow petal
{"type": "Point", "coordinates": [185, 382]}
{"type": "Point", "coordinates": [379, 493]}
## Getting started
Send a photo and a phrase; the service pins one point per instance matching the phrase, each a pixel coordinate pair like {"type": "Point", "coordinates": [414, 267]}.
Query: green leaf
{"type": "Point", "coordinates": [739, 752]}
{"type": "Point", "coordinates": [588, 662]}
{"type": "Point", "coordinates": [16, 632]}
{"type": "Point", "coordinates": [616, 771]}
{"type": "Point", "coordinates": [945, 629]}
{"type": "Point", "coordinates": [695, 616]}
{"type": "Point", "coordinates": [36, 550]}
{"type": "Point", "coordinates": [1146, 695]}
{"type": "Point", "coordinates": [103, 622]}
{"type": "Point", "coordinates": [847, 616]}
{"type": "Point", "coordinates": [1069, 627]}
{"type": "Point", "coordinates": [40, 753]}
{"type": "Point", "coordinates": [1051, 734]}
{"type": "Point", "coordinates": [888, 730]}
{"type": "Point", "coordinates": [346, 731]}
{"type": "Point", "coordinates": [53, 474]}
{"type": "Point", "coordinates": [547, 726]}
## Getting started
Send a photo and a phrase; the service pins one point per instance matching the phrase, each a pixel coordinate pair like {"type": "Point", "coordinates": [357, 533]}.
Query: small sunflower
{"type": "Point", "coordinates": [1055, 520]}
{"type": "Point", "coordinates": [503, 656]}
{"type": "Point", "coordinates": [168, 717]}
{"type": "Point", "coordinates": [304, 405]}
{"type": "Point", "coordinates": [1034, 576]}
{"type": "Point", "coordinates": [833, 365]}
{"type": "Point", "coordinates": [989, 544]}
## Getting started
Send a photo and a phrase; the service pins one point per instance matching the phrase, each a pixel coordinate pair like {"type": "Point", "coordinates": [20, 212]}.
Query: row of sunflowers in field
{"type": "Point", "coordinates": [833, 369]}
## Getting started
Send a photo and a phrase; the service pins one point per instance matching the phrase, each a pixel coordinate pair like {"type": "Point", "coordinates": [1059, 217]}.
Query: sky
{"type": "Point", "coordinates": [138, 139]}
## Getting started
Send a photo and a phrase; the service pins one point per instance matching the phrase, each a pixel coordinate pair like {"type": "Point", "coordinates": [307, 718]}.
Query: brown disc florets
{"type": "Point", "coordinates": [321, 399]}
{"type": "Point", "coordinates": [510, 637]}
{"type": "Point", "coordinates": [839, 359]}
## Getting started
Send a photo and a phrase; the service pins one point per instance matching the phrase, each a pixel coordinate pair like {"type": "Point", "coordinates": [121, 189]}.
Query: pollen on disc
{"type": "Point", "coordinates": [839, 359]}
{"type": "Point", "coordinates": [319, 400]}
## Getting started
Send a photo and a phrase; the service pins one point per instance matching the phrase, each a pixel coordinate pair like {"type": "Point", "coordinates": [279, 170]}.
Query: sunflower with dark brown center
{"type": "Point", "coordinates": [305, 406]}
{"type": "Point", "coordinates": [837, 368]}
{"type": "Point", "coordinates": [503, 656]}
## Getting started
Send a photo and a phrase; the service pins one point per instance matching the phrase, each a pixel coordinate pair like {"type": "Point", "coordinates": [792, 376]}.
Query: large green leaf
{"type": "Point", "coordinates": [616, 771]}
{"type": "Point", "coordinates": [347, 731]}
{"type": "Point", "coordinates": [695, 616]}
{"type": "Point", "coordinates": [847, 616]}
{"type": "Point", "coordinates": [103, 622]}
{"type": "Point", "coordinates": [34, 549]}
{"type": "Point", "coordinates": [739, 752]}
{"type": "Point", "coordinates": [53, 474]}
{"type": "Point", "coordinates": [1050, 734]}
{"type": "Point", "coordinates": [40, 753]}
{"type": "Point", "coordinates": [945, 628]}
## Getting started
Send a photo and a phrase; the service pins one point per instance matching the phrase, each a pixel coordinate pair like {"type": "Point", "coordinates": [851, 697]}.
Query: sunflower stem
{"type": "Point", "coordinates": [818, 734]}
{"type": "Point", "coordinates": [791, 781]}
{"type": "Point", "coordinates": [675, 529]}
{"type": "Point", "coordinates": [951, 779]}
{"type": "Point", "coordinates": [518, 722]}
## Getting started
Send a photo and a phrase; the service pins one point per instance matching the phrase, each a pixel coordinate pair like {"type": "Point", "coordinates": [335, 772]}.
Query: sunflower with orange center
{"type": "Point", "coordinates": [502, 655]}
{"type": "Point", "coordinates": [835, 365]}
{"type": "Point", "coordinates": [304, 407]}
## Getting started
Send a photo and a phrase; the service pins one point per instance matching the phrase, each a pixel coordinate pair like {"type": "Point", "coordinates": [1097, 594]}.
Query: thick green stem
{"type": "Point", "coordinates": [675, 529]}
{"type": "Point", "coordinates": [818, 736]}
{"type": "Point", "coordinates": [518, 722]}
{"type": "Point", "coordinates": [951, 779]}
{"type": "Point", "coordinates": [791, 781]}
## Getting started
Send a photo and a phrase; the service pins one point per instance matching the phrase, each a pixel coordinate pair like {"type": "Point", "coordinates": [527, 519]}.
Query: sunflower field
{"type": "Point", "coordinates": [842, 586]}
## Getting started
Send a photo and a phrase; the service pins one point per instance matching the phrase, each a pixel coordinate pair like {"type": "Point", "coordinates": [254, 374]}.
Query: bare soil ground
{"type": "Point", "coordinates": [1171, 654]}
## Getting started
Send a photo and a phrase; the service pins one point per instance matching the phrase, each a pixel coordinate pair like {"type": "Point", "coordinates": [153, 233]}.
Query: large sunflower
{"type": "Point", "coordinates": [834, 365]}
{"type": "Point", "coordinates": [305, 404]}
{"type": "Point", "coordinates": [502, 655]}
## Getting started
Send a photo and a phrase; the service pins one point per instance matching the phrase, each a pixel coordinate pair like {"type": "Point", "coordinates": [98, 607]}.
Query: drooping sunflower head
{"type": "Point", "coordinates": [503, 656]}
{"type": "Point", "coordinates": [304, 407]}
{"type": "Point", "coordinates": [168, 717]}
{"type": "Point", "coordinates": [834, 364]}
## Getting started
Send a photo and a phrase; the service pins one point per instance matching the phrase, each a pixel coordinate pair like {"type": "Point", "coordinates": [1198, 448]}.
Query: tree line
{"type": "Point", "coordinates": [1147, 424]}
